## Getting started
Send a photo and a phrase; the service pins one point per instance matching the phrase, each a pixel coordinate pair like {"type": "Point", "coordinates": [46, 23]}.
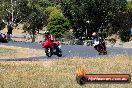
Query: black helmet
{"type": "Point", "coordinates": [47, 34]}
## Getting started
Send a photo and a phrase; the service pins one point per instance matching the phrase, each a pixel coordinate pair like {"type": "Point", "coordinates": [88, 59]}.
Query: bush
{"type": "Point", "coordinates": [125, 36]}
{"type": "Point", "coordinates": [57, 23]}
{"type": "Point", "coordinates": [112, 40]}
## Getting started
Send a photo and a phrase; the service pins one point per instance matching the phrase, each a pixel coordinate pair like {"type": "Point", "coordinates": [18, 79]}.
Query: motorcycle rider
{"type": "Point", "coordinates": [99, 39]}
{"type": "Point", "coordinates": [50, 39]}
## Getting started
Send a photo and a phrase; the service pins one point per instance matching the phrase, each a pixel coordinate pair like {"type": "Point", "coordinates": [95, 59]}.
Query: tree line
{"type": "Point", "coordinates": [82, 16]}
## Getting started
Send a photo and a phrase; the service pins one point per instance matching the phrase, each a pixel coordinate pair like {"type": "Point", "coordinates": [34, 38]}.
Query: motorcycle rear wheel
{"type": "Point", "coordinates": [105, 52]}
{"type": "Point", "coordinates": [48, 52]}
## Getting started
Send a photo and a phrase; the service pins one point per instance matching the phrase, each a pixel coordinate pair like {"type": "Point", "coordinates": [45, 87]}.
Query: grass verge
{"type": "Point", "coordinates": [11, 52]}
{"type": "Point", "coordinates": [61, 73]}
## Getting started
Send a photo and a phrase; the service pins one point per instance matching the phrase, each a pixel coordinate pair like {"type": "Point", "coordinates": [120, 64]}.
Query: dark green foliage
{"type": "Point", "coordinates": [4, 5]}
{"type": "Point", "coordinates": [125, 36]}
{"type": "Point", "coordinates": [32, 12]}
{"type": "Point", "coordinates": [96, 11]}
{"type": "Point", "coordinates": [122, 23]}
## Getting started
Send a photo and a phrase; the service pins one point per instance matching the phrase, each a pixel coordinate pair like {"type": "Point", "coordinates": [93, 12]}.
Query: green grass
{"type": "Point", "coordinates": [61, 73]}
{"type": "Point", "coordinates": [7, 53]}
{"type": "Point", "coordinates": [6, 50]}
{"type": "Point", "coordinates": [11, 52]}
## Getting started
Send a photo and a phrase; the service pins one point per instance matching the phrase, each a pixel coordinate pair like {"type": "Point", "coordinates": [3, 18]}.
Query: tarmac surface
{"type": "Point", "coordinates": [67, 51]}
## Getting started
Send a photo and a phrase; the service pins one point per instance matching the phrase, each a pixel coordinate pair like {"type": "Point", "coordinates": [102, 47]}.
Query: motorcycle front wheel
{"type": "Point", "coordinates": [59, 53]}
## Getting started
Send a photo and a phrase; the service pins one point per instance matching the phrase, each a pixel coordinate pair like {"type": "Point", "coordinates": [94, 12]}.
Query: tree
{"type": "Point", "coordinates": [32, 15]}
{"type": "Point", "coordinates": [29, 12]}
{"type": "Point", "coordinates": [102, 14]}
{"type": "Point", "coordinates": [57, 23]}
{"type": "Point", "coordinates": [98, 12]}
{"type": "Point", "coordinates": [4, 7]}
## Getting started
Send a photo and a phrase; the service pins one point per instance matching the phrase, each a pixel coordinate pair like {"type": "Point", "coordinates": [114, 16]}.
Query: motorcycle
{"type": "Point", "coordinates": [52, 49]}
{"type": "Point", "coordinates": [100, 47]}
{"type": "Point", "coordinates": [3, 38]}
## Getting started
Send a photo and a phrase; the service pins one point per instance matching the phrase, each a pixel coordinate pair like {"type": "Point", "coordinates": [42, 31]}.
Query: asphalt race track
{"type": "Point", "coordinates": [68, 51]}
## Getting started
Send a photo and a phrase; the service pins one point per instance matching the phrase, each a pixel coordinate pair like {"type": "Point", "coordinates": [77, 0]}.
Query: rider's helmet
{"type": "Point", "coordinates": [94, 34]}
{"type": "Point", "coordinates": [47, 34]}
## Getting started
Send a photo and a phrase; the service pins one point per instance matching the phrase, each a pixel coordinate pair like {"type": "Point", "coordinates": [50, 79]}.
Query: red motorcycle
{"type": "Point", "coordinates": [52, 48]}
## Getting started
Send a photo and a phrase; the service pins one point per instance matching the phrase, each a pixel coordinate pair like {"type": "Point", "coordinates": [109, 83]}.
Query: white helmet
{"type": "Point", "coordinates": [94, 34]}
